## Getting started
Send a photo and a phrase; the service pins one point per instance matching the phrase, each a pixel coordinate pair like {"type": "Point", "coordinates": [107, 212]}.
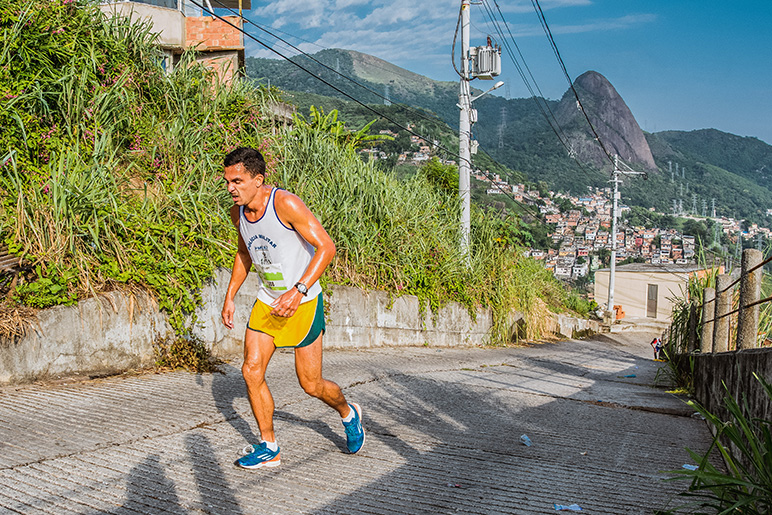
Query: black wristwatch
{"type": "Point", "coordinates": [302, 288]}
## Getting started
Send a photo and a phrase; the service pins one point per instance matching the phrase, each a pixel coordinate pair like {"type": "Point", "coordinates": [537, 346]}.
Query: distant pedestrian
{"type": "Point", "coordinates": [290, 250]}
{"type": "Point", "coordinates": [656, 344]}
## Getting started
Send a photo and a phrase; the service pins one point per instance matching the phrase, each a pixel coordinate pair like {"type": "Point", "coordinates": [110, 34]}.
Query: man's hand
{"type": "Point", "coordinates": [286, 305]}
{"type": "Point", "coordinates": [228, 309]}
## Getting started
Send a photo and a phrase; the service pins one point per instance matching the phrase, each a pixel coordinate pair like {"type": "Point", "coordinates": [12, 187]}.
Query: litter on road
{"type": "Point", "coordinates": [570, 507]}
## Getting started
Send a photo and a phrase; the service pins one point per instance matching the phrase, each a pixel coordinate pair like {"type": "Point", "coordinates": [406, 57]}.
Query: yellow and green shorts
{"type": "Point", "coordinates": [299, 330]}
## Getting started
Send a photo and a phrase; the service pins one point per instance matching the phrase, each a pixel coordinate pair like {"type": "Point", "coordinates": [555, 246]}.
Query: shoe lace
{"type": "Point", "coordinates": [249, 449]}
{"type": "Point", "coordinates": [351, 428]}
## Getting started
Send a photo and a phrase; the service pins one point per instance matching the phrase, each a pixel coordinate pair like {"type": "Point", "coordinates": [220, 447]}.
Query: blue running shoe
{"type": "Point", "coordinates": [260, 456]}
{"type": "Point", "coordinates": [355, 433]}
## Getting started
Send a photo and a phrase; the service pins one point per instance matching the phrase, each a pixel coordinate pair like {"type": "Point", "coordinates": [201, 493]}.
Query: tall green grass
{"type": "Point", "coordinates": [404, 236]}
{"type": "Point", "coordinates": [113, 174]}
{"type": "Point", "coordinates": [113, 180]}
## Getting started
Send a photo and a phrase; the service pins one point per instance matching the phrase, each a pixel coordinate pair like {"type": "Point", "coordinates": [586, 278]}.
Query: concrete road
{"type": "Point", "coordinates": [443, 436]}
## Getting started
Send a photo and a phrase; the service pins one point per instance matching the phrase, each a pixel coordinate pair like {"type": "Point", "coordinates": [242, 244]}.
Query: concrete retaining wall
{"type": "Point", "coordinates": [735, 369]}
{"type": "Point", "coordinates": [116, 332]}
{"type": "Point", "coordinates": [572, 327]}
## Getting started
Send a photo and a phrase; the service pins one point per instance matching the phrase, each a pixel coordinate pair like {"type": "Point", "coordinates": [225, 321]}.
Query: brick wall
{"type": "Point", "coordinates": [225, 64]}
{"type": "Point", "coordinates": [206, 33]}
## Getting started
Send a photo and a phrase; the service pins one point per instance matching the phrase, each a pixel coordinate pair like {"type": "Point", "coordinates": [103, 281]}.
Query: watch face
{"type": "Point", "coordinates": [302, 288]}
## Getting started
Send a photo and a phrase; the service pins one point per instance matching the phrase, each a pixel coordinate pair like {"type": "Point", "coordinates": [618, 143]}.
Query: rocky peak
{"type": "Point", "coordinates": [610, 116]}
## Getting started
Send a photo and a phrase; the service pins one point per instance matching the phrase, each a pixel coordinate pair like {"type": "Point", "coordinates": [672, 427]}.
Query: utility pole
{"type": "Point", "coordinates": [464, 132]}
{"type": "Point", "coordinates": [670, 168]}
{"type": "Point", "coordinates": [704, 208]}
{"type": "Point", "coordinates": [713, 210]}
{"type": "Point", "coordinates": [694, 204]}
{"type": "Point", "coordinates": [485, 68]}
{"type": "Point", "coordinates": [616, 179]}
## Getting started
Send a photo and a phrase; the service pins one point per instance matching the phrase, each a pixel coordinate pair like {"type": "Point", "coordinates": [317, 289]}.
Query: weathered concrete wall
{"type": "Point", "coordinates": [360, 319]}
{"type": "Point", "coordinates": [735, 370]}
{"type": "Point", "coordinates": [572, 327]}
{"type": "Point", "coordinates": [109, 334]}
{"type": "Point", "coordinates": [116, 332]}
{"type": "Point", "coordinates": [168, 22]}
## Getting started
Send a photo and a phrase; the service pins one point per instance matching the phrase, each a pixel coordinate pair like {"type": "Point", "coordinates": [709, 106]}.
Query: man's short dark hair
{"type": "Point", "coordinates": [253, 161]}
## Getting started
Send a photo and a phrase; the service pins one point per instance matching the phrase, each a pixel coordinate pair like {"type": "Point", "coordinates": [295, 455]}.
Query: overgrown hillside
{"type": "Point", "coordinates": [375, 74]}
{"type": "Point", "coordinates": [112, 179]}
{"type": "Point", "coordinates": [714, 165]}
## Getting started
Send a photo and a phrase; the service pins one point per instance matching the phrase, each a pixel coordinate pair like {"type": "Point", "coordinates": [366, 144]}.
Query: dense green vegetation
{"type": "Point", "coordinates": [748, 157]}
{"type": "Point", "coordinates": [110, 174]}
{"type": "Point", "coordinates": [112, 179]}
{"type": "Point", "coordinates": [422, 122]}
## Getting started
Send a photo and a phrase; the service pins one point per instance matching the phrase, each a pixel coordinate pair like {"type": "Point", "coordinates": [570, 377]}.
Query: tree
{"type": "Point", "coordinates": [444, 177]}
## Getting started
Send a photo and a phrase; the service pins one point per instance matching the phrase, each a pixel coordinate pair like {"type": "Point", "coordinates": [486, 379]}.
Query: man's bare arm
{"type": "Point", "coordinates": [241, 265]}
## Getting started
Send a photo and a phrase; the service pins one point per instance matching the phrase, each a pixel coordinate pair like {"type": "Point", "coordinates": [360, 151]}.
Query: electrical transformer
{"type": "Point", "coordinates": [486, 62]}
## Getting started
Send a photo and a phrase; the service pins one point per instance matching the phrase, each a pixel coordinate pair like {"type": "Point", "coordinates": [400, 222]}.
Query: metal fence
{"type": "Point", "coordinates": [728, 317]}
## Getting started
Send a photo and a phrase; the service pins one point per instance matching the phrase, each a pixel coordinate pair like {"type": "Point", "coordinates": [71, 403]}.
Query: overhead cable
{"type": "Point", "coordinates": [362, 104]}
{"type": "Point", "coordinates": [554, 45]}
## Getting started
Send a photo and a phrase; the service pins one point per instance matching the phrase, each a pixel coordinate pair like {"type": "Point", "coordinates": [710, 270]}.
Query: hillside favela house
{"type": "Point", "coordinates": [181, 26]}
{"type": "Point", "coordinates": [644, 290]}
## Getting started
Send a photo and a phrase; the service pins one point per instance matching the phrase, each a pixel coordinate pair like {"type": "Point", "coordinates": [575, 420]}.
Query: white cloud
{"type": "Point", "coordinates": [342, 4]}
{"type": "Point", "coordinates": [405, 32]}
{"type": "Point", "coordinates": [623, 22]}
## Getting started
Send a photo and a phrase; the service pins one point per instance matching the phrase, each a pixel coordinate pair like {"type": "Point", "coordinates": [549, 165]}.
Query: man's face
{"type": "Point", "coordinates": [242, 186]}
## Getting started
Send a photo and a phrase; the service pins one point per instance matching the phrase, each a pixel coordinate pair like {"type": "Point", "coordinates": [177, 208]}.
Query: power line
{"type": "Point", "coordinates": [336, 71]}
{"type": "Point", "coordinates": [527, 68]}
{"type": "Point", "coordinates": [362, 104]}
{"type": "Point", "coordinates": [554, 46]}
{"type": "Point", "coordinates": [550, 118]}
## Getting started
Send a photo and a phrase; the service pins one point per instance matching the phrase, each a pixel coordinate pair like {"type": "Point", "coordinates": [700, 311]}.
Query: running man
{"type": "Point", "coordinates": [290, 250]}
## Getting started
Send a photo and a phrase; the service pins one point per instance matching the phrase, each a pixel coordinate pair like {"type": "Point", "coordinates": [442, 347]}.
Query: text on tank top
{"type": "Point", "coordinates": [279, 253]}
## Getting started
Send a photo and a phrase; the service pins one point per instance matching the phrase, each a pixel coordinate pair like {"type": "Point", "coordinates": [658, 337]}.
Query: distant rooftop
{"type": "Point", "coordinates": [648, 267]}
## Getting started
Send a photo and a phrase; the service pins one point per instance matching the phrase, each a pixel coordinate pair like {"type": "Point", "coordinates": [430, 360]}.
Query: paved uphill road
{"type": "Point", "coordinates": [443, 430]}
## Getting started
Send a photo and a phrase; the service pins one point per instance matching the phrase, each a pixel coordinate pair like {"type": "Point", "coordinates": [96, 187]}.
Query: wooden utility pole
{"type": "Point", "coordinates": [750, 292]}
{"type": "Point", "coordinates": [708, 312]}
{"type": "Point", "coordinates": [723, 306]}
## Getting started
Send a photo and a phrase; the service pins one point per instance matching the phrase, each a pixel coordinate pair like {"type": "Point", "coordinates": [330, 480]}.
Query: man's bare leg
{"type": "Point", "coordinates": [308, 367]}
{"type": "Point", "coordinates": [258, 349]}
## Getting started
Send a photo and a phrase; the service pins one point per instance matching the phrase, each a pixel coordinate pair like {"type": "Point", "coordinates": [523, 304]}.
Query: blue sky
{"type": "Point", "coordinates": [678, 64]}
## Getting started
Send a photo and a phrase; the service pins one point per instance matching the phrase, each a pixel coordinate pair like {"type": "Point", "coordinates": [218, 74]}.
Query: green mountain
{"type": "Point", "coordinates": [375, 74]}
{"type": "Point", "coordinates": [748, 157]}
{"type": "Point", "coordinates": [733, 170]}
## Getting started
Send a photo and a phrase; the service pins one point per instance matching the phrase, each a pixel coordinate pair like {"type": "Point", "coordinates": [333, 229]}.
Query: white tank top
{"type": "Point", "coordinates": [279, 253]}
